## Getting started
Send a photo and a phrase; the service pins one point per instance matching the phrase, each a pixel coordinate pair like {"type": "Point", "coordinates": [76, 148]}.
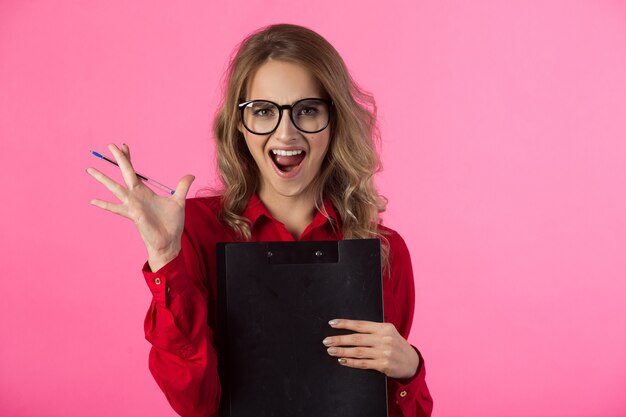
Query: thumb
{"type": "Point", "coordinates": [183, 187]}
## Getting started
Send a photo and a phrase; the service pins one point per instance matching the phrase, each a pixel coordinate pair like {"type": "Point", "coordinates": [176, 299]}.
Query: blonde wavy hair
{"type": "Point", "coordinates": [346, 175]}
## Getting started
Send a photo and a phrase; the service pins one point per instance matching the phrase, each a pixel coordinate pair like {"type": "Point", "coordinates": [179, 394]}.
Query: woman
{"type": "Point", "coordinates": [296, 156]}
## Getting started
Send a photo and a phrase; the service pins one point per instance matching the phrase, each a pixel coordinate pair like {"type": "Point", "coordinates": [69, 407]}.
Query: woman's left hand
{"type": "Point", "coordinates": [375, 345]}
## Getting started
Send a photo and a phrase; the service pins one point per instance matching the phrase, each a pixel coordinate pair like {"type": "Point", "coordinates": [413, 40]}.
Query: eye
{"type": "Point", "coordinates": [263, 111]}
{"type": "Point", "coordinates": [308, 111]}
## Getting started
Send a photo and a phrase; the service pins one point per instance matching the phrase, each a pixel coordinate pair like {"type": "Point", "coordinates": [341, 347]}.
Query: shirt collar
{"type": "Point", "coordinates": [256, 209]}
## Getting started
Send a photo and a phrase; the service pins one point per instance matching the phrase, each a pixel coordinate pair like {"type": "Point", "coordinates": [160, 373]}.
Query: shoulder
{"type": "Point", "coordinates": [397, 245]}
{"type": "Point", "coordinates": [204, 204]}
{"type": "Point", "coordinates": [399, 256]}
{"type": "Point", "coordinates": [202, 211]}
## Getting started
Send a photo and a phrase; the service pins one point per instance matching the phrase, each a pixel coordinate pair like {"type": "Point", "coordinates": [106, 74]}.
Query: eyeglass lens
{"type": "Point", "coordinates": [263, 117]}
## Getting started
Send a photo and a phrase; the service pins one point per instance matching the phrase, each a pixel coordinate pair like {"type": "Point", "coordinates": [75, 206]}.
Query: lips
{"type": "Point", "coordinates": [287, 162]}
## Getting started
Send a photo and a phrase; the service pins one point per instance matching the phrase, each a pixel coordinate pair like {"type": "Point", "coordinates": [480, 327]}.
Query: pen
{"type": "Point", "coordinates": [143, 177]}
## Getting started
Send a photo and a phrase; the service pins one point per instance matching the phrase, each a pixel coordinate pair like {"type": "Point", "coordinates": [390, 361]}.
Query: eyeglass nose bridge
{"type": "Point", "coordinates": [281, 109]}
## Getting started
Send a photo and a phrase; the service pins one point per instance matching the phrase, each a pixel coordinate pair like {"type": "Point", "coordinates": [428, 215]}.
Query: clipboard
{"type": "Point", "coordinates": [274, 303]}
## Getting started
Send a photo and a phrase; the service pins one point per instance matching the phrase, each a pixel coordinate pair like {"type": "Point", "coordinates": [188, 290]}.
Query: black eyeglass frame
{"type": "Point", "coordinates": [242, 107]}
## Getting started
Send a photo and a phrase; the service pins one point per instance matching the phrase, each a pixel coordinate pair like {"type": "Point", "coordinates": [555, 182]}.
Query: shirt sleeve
{"type": "Point", "coordinates": [182, 359]}
{"type": "Point", "coordinates": [411, 396]}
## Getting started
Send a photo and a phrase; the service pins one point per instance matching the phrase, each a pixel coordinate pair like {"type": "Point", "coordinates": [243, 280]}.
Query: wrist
{"type": "Point", "coordinates": [413, 366]}
{"type": "Point", "coordinates": [158, 259]}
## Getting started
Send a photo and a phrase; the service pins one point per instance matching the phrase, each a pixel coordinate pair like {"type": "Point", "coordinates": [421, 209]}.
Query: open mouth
{"type": "Point", "coordinates": [287, 161]}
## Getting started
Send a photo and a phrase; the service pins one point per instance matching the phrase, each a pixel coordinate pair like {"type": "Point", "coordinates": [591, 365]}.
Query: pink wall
{"type": "Point", "coordinates": [505, 163]}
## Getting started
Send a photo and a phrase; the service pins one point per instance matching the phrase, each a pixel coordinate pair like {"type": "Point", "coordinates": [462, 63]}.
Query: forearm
{"type": "Point", "coordinates": [191, 385]}
{"type": "Point", "coordinates": [411, 396]}
{"type": "Point", "coordinates": [183, 360]}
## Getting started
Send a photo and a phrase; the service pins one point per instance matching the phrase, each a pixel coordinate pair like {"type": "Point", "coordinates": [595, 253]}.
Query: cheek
{"type": "Point", "coordinates": [255, 146]}
{"type": "Point", "coordinates": [321, 147]}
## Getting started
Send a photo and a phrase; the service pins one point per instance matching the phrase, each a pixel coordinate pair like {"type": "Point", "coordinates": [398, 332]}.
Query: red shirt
{"type": "Point", "coordinates": [183, 360]}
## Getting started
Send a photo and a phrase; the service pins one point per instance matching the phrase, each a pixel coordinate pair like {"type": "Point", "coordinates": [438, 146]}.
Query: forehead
{"type": "Point", "coordinates": [283, 82]}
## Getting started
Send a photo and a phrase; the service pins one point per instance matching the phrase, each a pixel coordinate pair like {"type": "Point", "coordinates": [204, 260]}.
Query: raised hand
{"type": "Point", "coordinates": [159, 219]}
{"type": "Point", "coordinates": [376, 346]}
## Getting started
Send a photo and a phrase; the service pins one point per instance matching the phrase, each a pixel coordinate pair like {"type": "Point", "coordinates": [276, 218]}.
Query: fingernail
{"type": "Point", "coordinates": [342, 361]}
{"type": "Point", "coordinates": [331, 350]}
{"type": "Point", "coordinates": [333, 322]}
{"type": "Point", "coordinates": [327, 342]}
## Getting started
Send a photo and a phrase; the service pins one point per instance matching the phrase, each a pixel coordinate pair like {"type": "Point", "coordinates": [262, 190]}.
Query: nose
{"type": "Point", "coordinates": [286, 130]}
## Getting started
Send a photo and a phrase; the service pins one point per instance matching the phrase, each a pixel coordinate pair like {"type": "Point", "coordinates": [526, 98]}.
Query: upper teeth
{"type": "Point", "coordinates": [285, 153]}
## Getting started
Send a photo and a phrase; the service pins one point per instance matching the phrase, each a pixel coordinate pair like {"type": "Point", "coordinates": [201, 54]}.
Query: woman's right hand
{"type": "Point", "coordinates": [160, 220]}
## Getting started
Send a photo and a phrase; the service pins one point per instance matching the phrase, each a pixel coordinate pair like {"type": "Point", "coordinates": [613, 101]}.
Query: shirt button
{"type": "Point", "coordinates": [402, 394]}
{"type": "Point", "coordinates": [167, 290]}
{"type": "Point", "coordinates": [157, 281]}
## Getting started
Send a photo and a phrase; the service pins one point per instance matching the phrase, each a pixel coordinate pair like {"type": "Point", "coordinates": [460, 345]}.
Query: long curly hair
{"type": "Point", "coordinates": [346, 175]}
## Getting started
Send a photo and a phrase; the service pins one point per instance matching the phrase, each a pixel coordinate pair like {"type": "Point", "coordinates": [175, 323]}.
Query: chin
{"type": "Point", "coordinates": [291, 190]}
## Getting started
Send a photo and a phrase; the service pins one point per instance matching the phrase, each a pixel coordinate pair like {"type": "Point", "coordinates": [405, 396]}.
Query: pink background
{"type": "Point", "coordinates": [504, 128]}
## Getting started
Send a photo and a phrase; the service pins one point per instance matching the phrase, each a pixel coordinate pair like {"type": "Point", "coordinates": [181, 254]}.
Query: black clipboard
{"type": "Point", "coordinates": [274, 303]}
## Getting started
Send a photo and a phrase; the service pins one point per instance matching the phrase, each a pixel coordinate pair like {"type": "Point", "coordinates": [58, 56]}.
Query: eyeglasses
{"type": "Point", "coordinates": [262, 117]}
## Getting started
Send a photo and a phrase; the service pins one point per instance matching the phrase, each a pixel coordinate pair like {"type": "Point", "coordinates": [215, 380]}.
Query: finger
{"type": "Point", "coordinates": [356, 339]}
{"type": "Point", "coordinates": [183, 188]}
{"type": "Point", "coordinates": [128, 172]}
{"type": "Point", "coordinates": [355, 352]}
{"type": "Point", "coordinates": [113, 208]}
{"type": "Point", "coordinates": [116, 189]}
{"type": "Point", "coordinates": [360, 326]}
{"type": "Point", "coordinates": [374, 364]}
{"type": "Point", "coordinates": [126, 151]}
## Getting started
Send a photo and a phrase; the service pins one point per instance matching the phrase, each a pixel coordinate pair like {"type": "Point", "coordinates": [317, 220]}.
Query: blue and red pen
{"type": "Point", "coordinates": [140, 176]}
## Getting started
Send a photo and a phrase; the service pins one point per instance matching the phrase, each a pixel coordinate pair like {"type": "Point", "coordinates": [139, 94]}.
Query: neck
{"type": "Point", "coordinates": [295, 212]}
